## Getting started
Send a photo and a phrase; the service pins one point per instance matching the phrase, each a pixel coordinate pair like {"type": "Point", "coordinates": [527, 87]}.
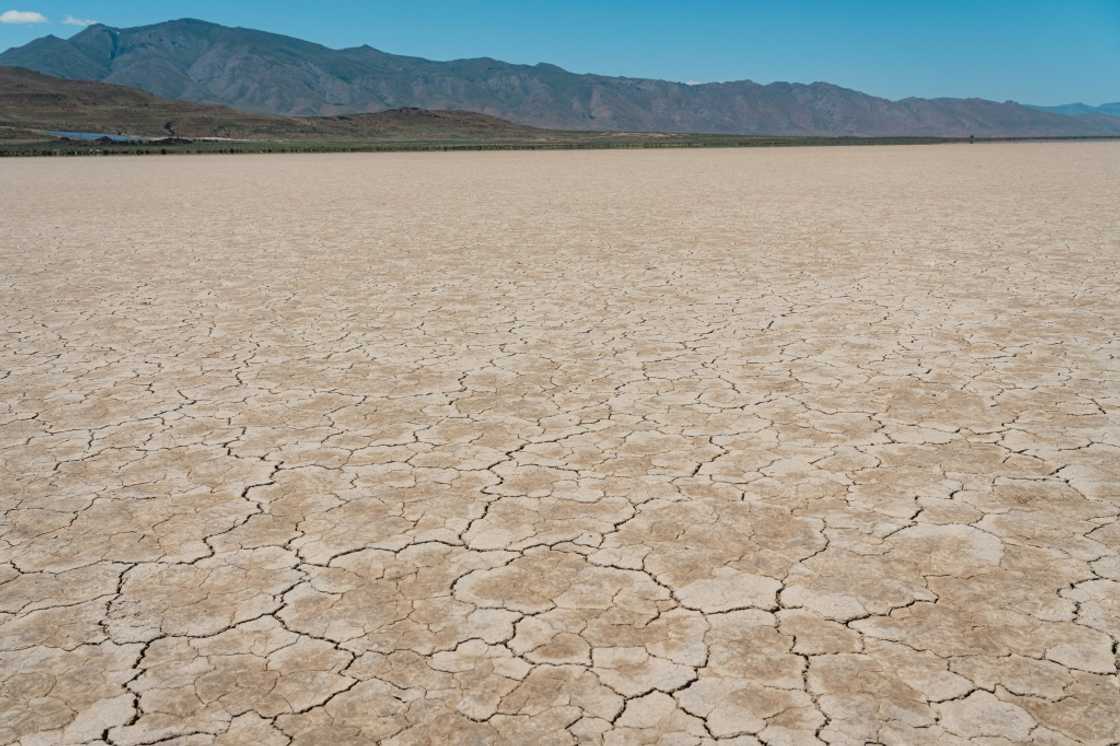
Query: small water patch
{"type": "Point", "coordinates": [72, 135]}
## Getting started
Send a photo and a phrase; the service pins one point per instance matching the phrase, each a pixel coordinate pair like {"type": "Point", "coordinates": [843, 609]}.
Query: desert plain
{"type": "Point", "coordinates": [792, 446]}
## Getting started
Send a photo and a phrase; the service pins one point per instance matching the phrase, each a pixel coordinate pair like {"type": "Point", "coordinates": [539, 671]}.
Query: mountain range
{"type": "Point", "coordinates": [257, 71]}
{"type": "Point", "coordinates": [41, 113]}
{"type": "Point", "coordinates": [31, 102]}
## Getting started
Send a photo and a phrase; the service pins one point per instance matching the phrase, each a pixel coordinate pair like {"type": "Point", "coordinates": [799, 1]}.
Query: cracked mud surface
{"type": "Point", "coordinates": [787, 447]}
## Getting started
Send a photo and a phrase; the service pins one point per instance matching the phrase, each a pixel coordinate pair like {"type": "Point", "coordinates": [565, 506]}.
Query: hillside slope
{"type": "Point", "coordinates": [33, 100]}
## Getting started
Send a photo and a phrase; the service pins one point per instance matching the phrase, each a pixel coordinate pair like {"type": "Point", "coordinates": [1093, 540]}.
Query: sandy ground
{"type": "Point", "coordinates": [780, 446]}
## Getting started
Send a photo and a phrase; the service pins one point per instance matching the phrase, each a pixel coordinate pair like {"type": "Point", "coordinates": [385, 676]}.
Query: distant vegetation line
{"type": "Point", "coordinates": [63, 148]}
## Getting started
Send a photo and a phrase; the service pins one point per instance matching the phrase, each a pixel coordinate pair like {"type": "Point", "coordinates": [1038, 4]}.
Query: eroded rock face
{"type": "Point", "coordinates": [811, 446]}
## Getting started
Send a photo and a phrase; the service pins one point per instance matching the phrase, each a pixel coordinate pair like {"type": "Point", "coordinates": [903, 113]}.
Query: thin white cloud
{"type": "Point", "coordinates": [72, 21]}
{"type": "Point", "coordinates": [22, 16]}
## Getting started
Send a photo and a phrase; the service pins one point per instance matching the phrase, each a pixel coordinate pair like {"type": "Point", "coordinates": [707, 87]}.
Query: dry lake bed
{"type": "Point", "coordinates": [784, 446]}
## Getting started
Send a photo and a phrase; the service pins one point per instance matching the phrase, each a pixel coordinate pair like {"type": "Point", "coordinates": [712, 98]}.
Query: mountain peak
{"type": "Point", "coordinates": [196, 22]}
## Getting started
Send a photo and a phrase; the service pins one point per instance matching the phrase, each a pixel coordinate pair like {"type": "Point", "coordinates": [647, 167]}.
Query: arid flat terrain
{"type": "Point", "coordinates": [740, 446]}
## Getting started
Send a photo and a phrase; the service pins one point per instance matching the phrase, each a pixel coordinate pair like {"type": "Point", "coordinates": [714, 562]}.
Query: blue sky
{"type": "Point", "coordinates": [1036, 52]}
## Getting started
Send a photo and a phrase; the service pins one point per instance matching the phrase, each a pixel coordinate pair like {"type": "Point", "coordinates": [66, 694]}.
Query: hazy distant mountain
{"type": "Point", "coordinates": [267, 73]}
{"type": "Point", "coordinates": [1080, 110]}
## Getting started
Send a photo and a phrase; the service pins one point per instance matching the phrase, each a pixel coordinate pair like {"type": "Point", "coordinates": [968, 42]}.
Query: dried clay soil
{"type": "Point", "coordinates": [741, 446]}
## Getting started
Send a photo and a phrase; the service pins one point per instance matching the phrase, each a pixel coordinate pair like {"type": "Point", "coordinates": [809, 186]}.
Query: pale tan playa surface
{"type": "Point", "coordinates": [748, 446]}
